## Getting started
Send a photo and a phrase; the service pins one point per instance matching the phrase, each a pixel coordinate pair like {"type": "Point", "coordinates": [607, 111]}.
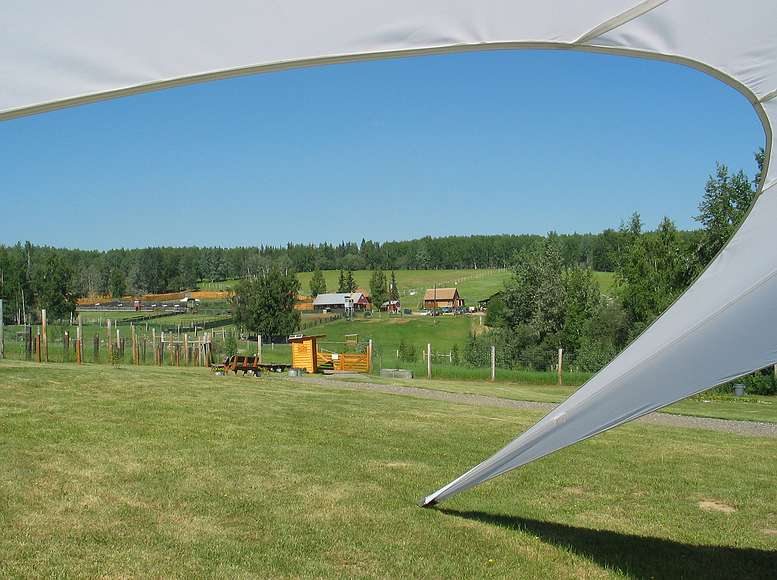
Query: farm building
{"type": "Point", "coordinates": [341, 301]}
{"type": "Point", "coordinates": [442, 298]}
{"type": "Point", "coordinates": [391, 306]}
{"type": "Point", "coordinates": [303, 303]}
{"type": "Point", "coordinates": [483, 304]}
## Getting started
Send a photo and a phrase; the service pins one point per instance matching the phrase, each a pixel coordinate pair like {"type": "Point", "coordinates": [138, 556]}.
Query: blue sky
{"type": "Point", "coordinates": [476, 143]}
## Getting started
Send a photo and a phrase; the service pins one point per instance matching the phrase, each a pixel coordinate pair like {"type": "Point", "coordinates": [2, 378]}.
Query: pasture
{"type": "Point", "coordinates": [159, 472]}
{"type": "Point", "coordinates": [388, 331]}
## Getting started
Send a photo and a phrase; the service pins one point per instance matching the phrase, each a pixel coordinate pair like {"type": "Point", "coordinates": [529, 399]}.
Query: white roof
{"type": "Point", "coordinates": [724, 326]}
{"type": "Point", "coordinates": [336, 298]}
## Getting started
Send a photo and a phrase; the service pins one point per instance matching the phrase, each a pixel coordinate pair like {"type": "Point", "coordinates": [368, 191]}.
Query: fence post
{"type": "Point", "coordinates": [259, 347]}
{"type": "Point", "coordinates": [493, 363]}
{"type": "Point", "coordinates": [110, 341]}
{"type": "Point", "coordinates": [2, 351]}
{"type": "Point", "coordinates": [206, 337]}
{"type": "Point", "coordinates": [45, 336]}
{"type": "Point", "coordinates": [78, 341]}
{"type": "Point", "coordinates": [429, 360]}
{"type": "Point", "coordinates": [560, 366]}
{"type": "Point", "coordinates": [369, 357]}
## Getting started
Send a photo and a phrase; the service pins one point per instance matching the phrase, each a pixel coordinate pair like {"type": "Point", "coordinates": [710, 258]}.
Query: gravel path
{"type": "Point", "coordinates": [748, 428]}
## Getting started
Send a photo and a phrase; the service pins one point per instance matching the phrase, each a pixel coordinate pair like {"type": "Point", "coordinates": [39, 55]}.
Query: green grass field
{"type": "Point", "coordinates": [519, 387]}
{"type": "Point", "coordinates": [387, 332]}
{"type": "Point", "coordinates": [606, 281]}
{"type": "Point", "coordinates": [92, 317]}
{"type": "Point", "coordinates": [166, 473]}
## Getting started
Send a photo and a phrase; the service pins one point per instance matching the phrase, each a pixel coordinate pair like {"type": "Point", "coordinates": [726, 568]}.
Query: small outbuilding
{"type": "Point", "coordinates": [304, 352]}
{"type": "Point", "coordinates": [391, 306]}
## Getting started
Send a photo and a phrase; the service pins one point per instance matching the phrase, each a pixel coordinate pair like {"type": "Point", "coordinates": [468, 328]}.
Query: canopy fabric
{"type": "Point", "coordinates": [55, 54]}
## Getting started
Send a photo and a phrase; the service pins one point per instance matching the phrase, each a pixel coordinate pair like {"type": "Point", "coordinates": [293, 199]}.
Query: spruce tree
{"type": "Point", "coordinates": [317, 283]}
{"type": "Point", "coordinates": [350, 283]}
{"type": "Point", "coordinates": [378, 289]}
{"type": "Point", "coordinates": [393, 289]}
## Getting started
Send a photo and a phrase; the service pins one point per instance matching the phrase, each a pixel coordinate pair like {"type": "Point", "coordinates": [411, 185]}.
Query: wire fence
{"type": "Point", "coordinates": [152, 342]}
{"type": "Point", "coordinates": [455, 362]}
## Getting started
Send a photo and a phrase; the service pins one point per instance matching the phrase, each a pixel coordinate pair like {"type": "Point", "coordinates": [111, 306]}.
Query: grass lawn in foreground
{"type": "Point", "coordinates": [165, 472]}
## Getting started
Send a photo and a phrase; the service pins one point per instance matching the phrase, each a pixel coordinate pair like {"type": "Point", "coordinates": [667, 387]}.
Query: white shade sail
{"type": "Point", "coordinates": [55, 54]}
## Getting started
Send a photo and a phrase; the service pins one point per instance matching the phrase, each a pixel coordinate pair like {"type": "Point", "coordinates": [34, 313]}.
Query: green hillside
{"type": "Point", "coordinates": [473, 284]}
{"type": "Point", "coordinates": [442, 331]}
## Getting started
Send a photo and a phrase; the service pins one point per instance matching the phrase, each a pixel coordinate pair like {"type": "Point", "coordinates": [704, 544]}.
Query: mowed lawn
{"type": "Point", "coordinates": [168, 473]}
{"type": "Point", "coordinates": [748, 408]}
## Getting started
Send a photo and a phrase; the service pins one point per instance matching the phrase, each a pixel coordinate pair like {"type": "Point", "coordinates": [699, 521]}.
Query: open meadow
{"type": "Point", "coordinates": [177, 472]}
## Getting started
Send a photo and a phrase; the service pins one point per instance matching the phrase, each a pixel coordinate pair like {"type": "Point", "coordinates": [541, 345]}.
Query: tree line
{"type": "Point", "coordinates": [77, 273]}
{"type": "Point", "coordinates": [549, 304]}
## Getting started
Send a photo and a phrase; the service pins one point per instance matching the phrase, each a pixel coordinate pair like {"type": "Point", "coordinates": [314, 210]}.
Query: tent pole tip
{"type": "Point", "coordinates": [427, 502]}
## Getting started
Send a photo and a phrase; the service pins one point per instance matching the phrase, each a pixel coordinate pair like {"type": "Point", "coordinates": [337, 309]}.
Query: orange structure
{"type": "Point", "coordinates": [304, 352]}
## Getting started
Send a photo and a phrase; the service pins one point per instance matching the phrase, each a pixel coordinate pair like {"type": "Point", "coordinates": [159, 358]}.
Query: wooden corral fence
{"type": "Point", "coordinates": [352, 362]}
{"type": "Point", "coordinates": [305, 354]}
{"type": "Point", "coordinates": [345, 362]}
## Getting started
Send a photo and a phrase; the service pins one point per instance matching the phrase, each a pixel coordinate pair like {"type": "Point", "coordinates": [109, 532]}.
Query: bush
{"type": "Point", "coordinates": [230, 345]}
{"type": "Point", "coordinates": [477, 352]}
{"type": "Point", "coordinates": [593, 355]}
{"type": "Point", "coordinates": [455, 355]}
{"type": "Point", "coordinates": [407, 352]}
{"type": "Point", "coordinates": [760, 383]}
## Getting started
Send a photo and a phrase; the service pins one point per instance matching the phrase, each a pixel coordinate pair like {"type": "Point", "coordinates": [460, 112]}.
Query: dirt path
{"type": "Point", "coordinates": [748, 428]}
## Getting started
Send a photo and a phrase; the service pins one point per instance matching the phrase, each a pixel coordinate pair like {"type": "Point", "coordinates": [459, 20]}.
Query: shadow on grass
{"type": "Point", "coordinates": [638, 556]}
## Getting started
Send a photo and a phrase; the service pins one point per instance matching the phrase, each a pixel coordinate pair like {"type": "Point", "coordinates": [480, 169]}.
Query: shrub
{"type": "Point", "coordinates": [455, 355]}
{"type": "Point", "coordinates": [760, 383]}
{"type": "Point", "coordinates": [476, 352]}
{"type": "Point", "coordinates": [407, 352]}
{"type": "Point", "coordinates": [230, 345]}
